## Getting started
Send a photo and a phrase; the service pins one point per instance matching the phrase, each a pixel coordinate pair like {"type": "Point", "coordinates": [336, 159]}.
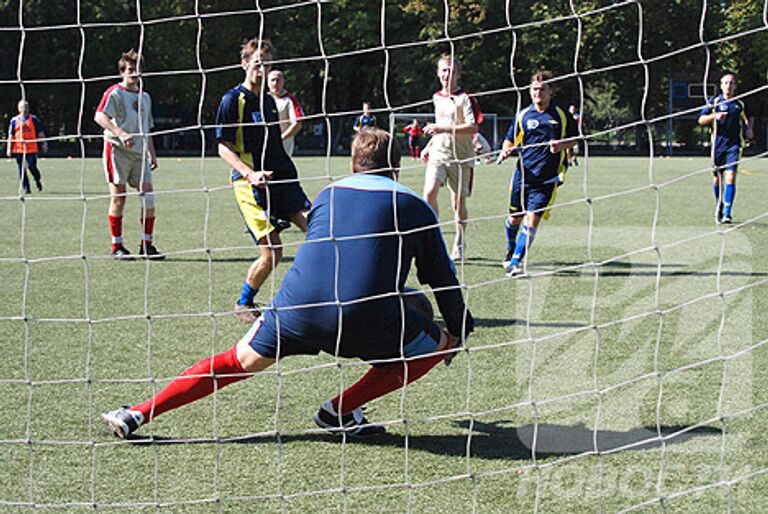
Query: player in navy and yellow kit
{"type": "Point", "coordinates": [23, 135]}
{"type": "Point", "coordinates": [264, 178]}
{"type": "Point", "coordinates": [365, 120]}
{"type": "Point", "coordinates": [537, 134]}
{"type": "Point", "coordinates": [342, 297]}
{"type": "Point", "coordinates": [729, 124]}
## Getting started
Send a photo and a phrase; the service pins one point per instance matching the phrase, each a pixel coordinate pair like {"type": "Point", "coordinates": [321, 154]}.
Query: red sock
{"type": "Point", "coordinates": [197, 382]}
{"type": "Point", "coordinates": [382, 380]}
{"type": "Point", "coordinates": [116, 229]}
{"type": "Point", "coordinates": [148, 226]}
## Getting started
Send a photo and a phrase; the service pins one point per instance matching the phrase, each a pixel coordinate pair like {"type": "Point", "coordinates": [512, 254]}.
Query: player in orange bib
{"type": "Point", "coordinates": [23, 135]}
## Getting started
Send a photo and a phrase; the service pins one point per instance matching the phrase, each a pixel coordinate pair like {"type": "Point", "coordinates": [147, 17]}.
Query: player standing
{"type": "Point", "coordinates": [537, 134]}
{"type": "Point", "coordinates": [450, 152]}
{"type": "Point", "coordinates": [413, 136]}
{"type": "Point", "coordinates": [729, 125]}
{"type": "Point", "coordinates": [264, 178]}
{"type": "Point", "coordinates": [23, 134]}
{"type": "Point", "coordinates": [365, 120]}
{"type": "Point", "coordinates": [288, 109]}
{"type": "Point", "coordinates": [357, 313]}
{"type": "Point", "coordinates": [125, 114]}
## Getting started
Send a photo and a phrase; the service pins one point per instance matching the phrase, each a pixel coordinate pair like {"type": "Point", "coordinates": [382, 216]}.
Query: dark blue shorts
{"type": "Point", "coordinates": [532, 197]}
{"type": "Point", "coordinates": [282, 200]}
{"type": "Point", "coordinates": [728, 159]}
{"type": "Point", "coordinates": [276, 335]}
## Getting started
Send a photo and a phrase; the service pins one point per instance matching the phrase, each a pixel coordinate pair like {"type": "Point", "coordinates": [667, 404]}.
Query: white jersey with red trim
{"type": "Point", "coordinates": [289, 110]}
{"type": "Point", "coordinates": [132, 112]}
{"type": "Point", "coordinates": [453, 109]}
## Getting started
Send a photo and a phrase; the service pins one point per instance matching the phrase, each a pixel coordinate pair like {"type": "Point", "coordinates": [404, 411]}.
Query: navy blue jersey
{"type": "Point", "coordinates": [729, 133]}
{"type": "Point", "coordinates": [531, 127]}
{"type": "Point", "coordinates": [365, 121]}
{"type": "Point", "coordinates": [363, 234]}
{"type": "Point", "coordinates": [241, 121]}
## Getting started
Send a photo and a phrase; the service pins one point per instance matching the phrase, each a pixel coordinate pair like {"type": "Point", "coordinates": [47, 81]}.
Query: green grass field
{"type": "Point", "coordinates": [628, 370]}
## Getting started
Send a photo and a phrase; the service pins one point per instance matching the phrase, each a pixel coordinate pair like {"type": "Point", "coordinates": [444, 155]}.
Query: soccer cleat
{"type": "Point", "coordinates": [727, 219]}
{"type": "Point", "coordinates": [279, 224]}
{"type": "Point", "coordinates": [514, 270]}
{"type": "Point", "coordinates": [247, 313]}
{"type": "Point", "coordinates": [351, 423]}
{"type": "Point", "coordinates": [121, 253]}
{"type": "Point", "coordinates": [123, 421]}
{"type": "Point", "coordinates": [149, 251]}
{"type": "Point", "coordinates": [39, 185]}
{"type": "Point", "coordinates": [508, 258]}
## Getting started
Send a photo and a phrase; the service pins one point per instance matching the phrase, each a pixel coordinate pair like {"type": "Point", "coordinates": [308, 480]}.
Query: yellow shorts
{"type": "Point", "coordinates": [255, 217]}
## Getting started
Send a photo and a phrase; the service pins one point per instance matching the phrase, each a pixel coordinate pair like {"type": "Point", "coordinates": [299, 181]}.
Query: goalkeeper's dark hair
{"type": "Point", "coordinates": [374, 151]}
{"type": "Point", "coordinates": [129, 57]}
{"type": "Point", "coordinates": [251, 46]}
{"type": "Point", "coordinates": [544, 76]}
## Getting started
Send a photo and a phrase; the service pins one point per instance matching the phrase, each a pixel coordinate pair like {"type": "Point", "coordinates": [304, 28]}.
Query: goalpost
{"type": "Point", "coordinates": [625, 371]}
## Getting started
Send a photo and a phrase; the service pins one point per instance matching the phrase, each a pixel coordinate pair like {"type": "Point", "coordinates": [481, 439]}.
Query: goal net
{"type": "Point", "coordinates": [623, 371]}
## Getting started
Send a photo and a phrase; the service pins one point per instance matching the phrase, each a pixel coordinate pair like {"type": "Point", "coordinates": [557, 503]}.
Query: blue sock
{"type": "Point", "coordinates": [247, 294]}
{"type": "Point", "coordinates": [716, 188]}
{"type": "Point", "coordinates": [728, 196]}
{"type": "Point", "coordinates": [511, 233]}
{"type": "Point", "coordinates": [524, 241]}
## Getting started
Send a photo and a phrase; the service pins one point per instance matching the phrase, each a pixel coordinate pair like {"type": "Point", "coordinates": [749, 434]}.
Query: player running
{"type": "Point", "coordinates": [125, 114]}
{"type": "Point", "coordinates": [729, 125]}
{"type": "Point", "coordinates": [356, 313]}
{"type": "Point", "coordinates": [450, 153]}
{"type": "Point", "coordinates": [264, 179]}
{"type": "Point", "coordinates": [537, 135]}
{"type": "Point", "coordinates": [24, 133]}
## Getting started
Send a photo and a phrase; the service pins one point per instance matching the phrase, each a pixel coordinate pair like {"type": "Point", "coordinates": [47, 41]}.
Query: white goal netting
{"type": "Point", "coordinates": [623, 372]}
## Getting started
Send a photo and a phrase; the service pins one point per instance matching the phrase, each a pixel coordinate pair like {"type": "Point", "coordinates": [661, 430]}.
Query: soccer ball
{"type": "Point", "coordinates": [419, 302]}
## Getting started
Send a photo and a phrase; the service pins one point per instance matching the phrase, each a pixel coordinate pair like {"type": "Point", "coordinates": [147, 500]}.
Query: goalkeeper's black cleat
{"type": "Point", "coordinates": [351, 423]}
{"type": "Point", "coordinates": [123, 421]}
{"type": "Point", "coordinates": [149, 251]}
{"type": "Point", "coordinates": [121, 253]}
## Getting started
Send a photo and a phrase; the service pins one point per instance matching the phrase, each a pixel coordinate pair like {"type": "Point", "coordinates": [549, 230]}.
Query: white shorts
{"type": "Point", "coordinates": [125, 167]}
{"type": "Point", "coordinates": [458, 176]}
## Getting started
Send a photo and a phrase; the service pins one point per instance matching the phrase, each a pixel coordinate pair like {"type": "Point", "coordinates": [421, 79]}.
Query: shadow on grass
{"type": "Point", "coordinates": [502, 322]}
{"type": "Point", "coordinates": [496, 440]}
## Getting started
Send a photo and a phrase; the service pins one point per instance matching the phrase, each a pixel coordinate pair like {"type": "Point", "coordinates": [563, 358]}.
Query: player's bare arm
{"type": "Point", "coordinates": [557, 145]}
{"type": "Point", "coordinates": [464, 128]}
{"type": "Point", "coordinates": [152, 153]}
{"type": "Point", "coordinates": [507, 149]}
{"type": "Point", "coordinates": [229, 155]}
{"type": "Point", "coordinates": [106, 123]}
{"type": "Point", "coordinates": [292, 130]}
{"type": "Point", "coordinates": [749, 123]}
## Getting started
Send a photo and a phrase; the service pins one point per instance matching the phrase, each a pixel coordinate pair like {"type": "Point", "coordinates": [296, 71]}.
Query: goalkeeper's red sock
{"type": "Point", "coordinates": [197, 382]}
{"type": "Point", "coordinates": [381, 380]}
{"type": "Point", "coordinates": [116, 230]}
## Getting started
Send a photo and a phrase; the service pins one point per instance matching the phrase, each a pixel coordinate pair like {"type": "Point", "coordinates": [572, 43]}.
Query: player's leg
{"type": "Point", "coordinates": [538, 202]}
{"type": "Point", "coordinates": [21, 164]}
{"type": "Point", "coordinates": [460, 178]}
{"type": "Point", "coordinates": [300, 219]}
{"type": "Point", "coordinates": [434, 178]}
{"type": "Point", "coordinates": [147, 221]}
{"type": "Point", "coordinates": [344, 412]}
{"type": "Point", "coordinates": [514, 219]}
{"type": "Point", "coordinates": [206, 376]}
{"type": "Point", "coordinates": [729, 189]}
{"type": "Point", "coordinates": [116, 176]}
{"type": "Point", "coordinates": [33, 169]}
{"type": "Point", "coordinates": [271, 251]}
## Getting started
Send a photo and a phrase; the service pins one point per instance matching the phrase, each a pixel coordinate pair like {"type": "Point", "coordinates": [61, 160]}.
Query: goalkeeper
{"type": "Point", "coordinates": [537, 134]}
{"type": "Point", "coordinates": [357, 313]}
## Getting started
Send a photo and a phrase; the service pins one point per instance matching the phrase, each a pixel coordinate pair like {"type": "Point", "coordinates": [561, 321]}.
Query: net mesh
{"type": "Point", "coordinates": [576, 388]}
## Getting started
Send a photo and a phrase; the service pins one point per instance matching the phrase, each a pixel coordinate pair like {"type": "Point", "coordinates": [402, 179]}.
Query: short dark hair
{"type": "Point", "coordinates": [129, 57]}
{"type": "Point", "coordinates": [251, 46]}
{"type": "Point", "coordinates": [542, 76]}
{"type": "Point", "coordinates": [729, 72]}
{"type": "Point", "coordinates": [373, 150]}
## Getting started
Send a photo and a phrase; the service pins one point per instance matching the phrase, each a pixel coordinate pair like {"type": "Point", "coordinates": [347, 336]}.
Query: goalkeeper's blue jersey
{"type": "Point", "coordinates": [531, 132]}
{"type": "Point", "coordinates": [729, 132]}
{"type": "Point", "coordinates": [251, 124]}
{"type": "Point", "coordinates": [364, 232]}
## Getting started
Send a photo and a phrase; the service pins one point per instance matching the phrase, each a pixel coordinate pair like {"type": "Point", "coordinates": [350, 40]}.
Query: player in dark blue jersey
{"type": "Point", "coordinates": [365, 120]}
{"type": "Point", "coordinates": [342, 297]}
{"type": "Point", "coordinates": [264, 178]}
{"type": "Point", "coordinates": [537, 135]}
{"type": "Point", "coordinates": [729, 124]}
